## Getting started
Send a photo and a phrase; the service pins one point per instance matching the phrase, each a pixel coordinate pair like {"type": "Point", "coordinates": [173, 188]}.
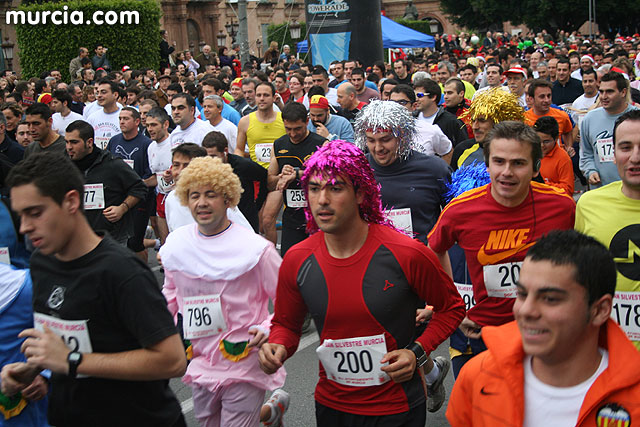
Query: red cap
{"type": "Point", "coordinates": [125, 68]}
{"type": "Point", "coordinates": [516, 70]}
{"type": "Point", "coordinates": [45, 98]}
{"type": "Point", "coordinates": [237, 82]}
{"type": "Point", "coordinates": [319, 101]}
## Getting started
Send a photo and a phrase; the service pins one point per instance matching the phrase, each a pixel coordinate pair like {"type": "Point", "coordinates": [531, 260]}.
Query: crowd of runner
{"type": "Point", "coordinates": [396, 205]}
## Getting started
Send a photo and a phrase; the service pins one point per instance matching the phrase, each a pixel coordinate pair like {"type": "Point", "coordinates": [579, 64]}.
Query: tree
{"type": "Point", "coordinates": [611, 15]}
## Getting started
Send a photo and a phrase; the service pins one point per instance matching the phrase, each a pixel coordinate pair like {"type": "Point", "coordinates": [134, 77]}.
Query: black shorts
{"type": "Point", "coordinates": [328, 417]}
{"type": "Point", "coordinates": [140, 217]}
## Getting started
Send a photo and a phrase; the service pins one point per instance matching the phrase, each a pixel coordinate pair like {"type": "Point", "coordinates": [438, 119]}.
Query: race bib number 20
{"type": "Point", "coordinates": [354, 361]}
{"type": "Point", "coordinates": [500, 279]}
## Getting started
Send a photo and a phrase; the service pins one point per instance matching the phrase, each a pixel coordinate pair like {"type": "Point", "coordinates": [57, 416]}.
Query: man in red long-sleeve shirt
{"type": "Point", "coordinates": [361, 281]}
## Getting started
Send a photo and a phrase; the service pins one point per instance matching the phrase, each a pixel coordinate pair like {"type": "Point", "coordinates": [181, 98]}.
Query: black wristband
{"type": "Point", "coordinates": [421, 356]}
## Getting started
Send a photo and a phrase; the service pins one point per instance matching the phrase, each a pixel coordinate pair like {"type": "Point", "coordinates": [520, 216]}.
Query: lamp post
{"type": "Point", "coordinates": [221, 38]}
{"type": "Point", "coordinates": [232, 30]}
{"type": "Point", "coordinates": [7, 50]}
{"type": "Point", "coordinates": [433, 26]}
{"type": "Point", "coordinates": [295, 30]}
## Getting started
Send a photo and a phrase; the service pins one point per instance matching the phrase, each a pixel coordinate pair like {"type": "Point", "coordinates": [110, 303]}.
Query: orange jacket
{"type": "Point", "coordinates": [490, 388]}
{"type": "Point", "coordinates": [557, 170]}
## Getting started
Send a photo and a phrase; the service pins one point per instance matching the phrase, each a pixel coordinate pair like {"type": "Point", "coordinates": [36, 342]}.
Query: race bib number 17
{"type": "Point", "coordinates": [626, 313]}
{"type": "Point", "coordinates": [604, 146]}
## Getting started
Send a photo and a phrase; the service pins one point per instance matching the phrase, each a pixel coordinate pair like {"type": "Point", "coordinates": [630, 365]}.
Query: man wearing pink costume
{"type": "Point", "coordinates": [220, 276]}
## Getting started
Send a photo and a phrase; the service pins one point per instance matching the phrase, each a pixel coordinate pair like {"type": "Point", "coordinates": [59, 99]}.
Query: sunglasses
{"type": "Point", "coordinates": [402, 101]}
{"type": "Point", "coordinates": [422, 95]}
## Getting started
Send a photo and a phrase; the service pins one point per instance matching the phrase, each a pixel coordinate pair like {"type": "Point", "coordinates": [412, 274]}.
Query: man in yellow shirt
{"type": "Point", "coordinates": [611, 214]}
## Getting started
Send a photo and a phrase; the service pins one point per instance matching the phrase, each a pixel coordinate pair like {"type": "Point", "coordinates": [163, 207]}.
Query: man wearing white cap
{"type": "Point", "coordinates": [516, 76]}
{"type": "Point", "coordinates": [586, 63]}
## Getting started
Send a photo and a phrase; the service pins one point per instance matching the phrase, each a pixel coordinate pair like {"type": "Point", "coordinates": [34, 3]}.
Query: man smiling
{"type": "Point", "coordinates": [495, 225]}
{"type": "Point", "coordinates": [563, 362]}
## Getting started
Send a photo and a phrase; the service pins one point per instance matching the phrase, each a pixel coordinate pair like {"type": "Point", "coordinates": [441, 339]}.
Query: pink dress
{"type": "Point", "coordinates": [242, 268]}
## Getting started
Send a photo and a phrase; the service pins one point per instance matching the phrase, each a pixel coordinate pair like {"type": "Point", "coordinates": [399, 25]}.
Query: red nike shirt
{"type": "Point", "coordinates": [495, 240]}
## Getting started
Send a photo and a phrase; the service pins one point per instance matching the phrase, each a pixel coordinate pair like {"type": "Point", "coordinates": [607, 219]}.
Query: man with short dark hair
{"type": "Point", "coordinates": [100, 59]}
{"type": "Point", "coordinates": [119, 344]}
{"type": "Point", "coordinates": [402, 72]}
{"type": "Point", "coordinates": [286, 168]}
{"type": "Point", "coordinates": [364, 93]}
{"type": "Point", "coordinates": [63, 116]}
{"type": "Point", "coordinates": [559, 363]}
{"type": "Point", "coordinates": [610, 214]}
{"type": "Point", "coordinates": [10, 148]}
{"type": "Point", "coordinates": [428, 94]}
{"type": "Point", "coordinates": [596, 131]}
{"type": "Point", "coordinates": [480, 221]}
{"type": "Point", "coordinates": [337, 70]}
{"type": "Point", "coordinates": [44, 137]}
{"type": "Point", "coordinates": [105, 119]}
{"type": "Point", "coordinates": [75, 65]}
{"type": "Point", "coordinates": [565, 89]}
{"type": "Point", "coordinates": [540, 92]}
{"type": "Point", "coordinates": [131, 146]}
{"type": "Point", "coordinates": [455, 101]}
{"type": "Point", "coordinates": [280, 82]}
{"type": "Point", "coordinates": [325, 124]}
{"type": "Point", "coordinates": [188, 129]}
{"type": "Point", "coordinates": [75, 90]}
{"type": "Point", "coordinates": [386, 86]}
{"type": "Point", "coordinates": [321, 79]}
{"type": "Point", "coordinates": [555, 166]}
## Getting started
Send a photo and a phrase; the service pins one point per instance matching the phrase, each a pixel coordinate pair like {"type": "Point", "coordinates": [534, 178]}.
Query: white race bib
{"type": "Point", "coordinates": [401, 219]}
{"type": "Point", "coordinates": [263, 152]}
{"type": "Point", "coordinates": [466, 292]}
{"type": "Point", "coordinates": [500, 279]}
{"type": "Point", "coordinates": [354, 361]}
{"type": "Point", "coordinates": [4, 255]}
{"type": "Point", "coordinates": [296, 199]}
{"type": "Point", "coordinates": [604, 147]}
{"type": "Point", "coordinates": [129, 162]}
{"type": "Point", "coordinates": [74, 333]}
{"type": "Point", "coordinates": [93, 196]}
{"type": "Point", "coordinates": [202, 316]}
{"type": "Point", "coordinates": [626, 313]}
{"type": "Point", "coordinates": [101, 141]}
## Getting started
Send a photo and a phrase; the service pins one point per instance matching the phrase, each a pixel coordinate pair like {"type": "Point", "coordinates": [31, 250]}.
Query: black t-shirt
{"type": "Point", "coordinates": [288, 153]}
{"type": "Point", "coordinates": [249, 173]}
{"type": "Point", "coordinates": [118, 297]}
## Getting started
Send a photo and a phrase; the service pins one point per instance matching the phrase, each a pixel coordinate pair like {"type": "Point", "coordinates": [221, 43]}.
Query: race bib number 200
{"type": "Point", "coordinates": [354, 361]}
{"type": "Point", "coordinates": [500, 279]}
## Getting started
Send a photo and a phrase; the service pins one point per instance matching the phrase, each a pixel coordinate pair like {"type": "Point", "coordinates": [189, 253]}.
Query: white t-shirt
{"type": "Point", "coordinates": [104, 125]}
{"type": "Point", "coordinates": [431, 140]}
{"type": "Point", "coordinates": [195, 133]}
{"type": "Point", "coordinates": [545, 405]}
{"type": "Point", "coordinates": [428, 120]}
{"type": "Point", "coordinates": [60, 123]}
{"type": "Point", "coordinates": [576, 74]}
{"type": "Point", "coordinates": [159, 155]}
{"type": "Point", "coordinates": [89, 108]}
{"type": "Point", "coordinates": [582, 103]}
{"type": "Point", "coordinates": [229, 130]}
{"type": "Point", "coordinates": [178, 215]}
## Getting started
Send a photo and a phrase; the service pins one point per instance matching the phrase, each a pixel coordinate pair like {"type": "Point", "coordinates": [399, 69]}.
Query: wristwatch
{"type": "Point", "coordinates": [74, 358]}
{"type": "Point", "coordinates": [421, 356]}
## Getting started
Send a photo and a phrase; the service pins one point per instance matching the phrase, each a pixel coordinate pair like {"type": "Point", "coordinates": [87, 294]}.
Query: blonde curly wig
{"type": "Point", "coordinates": [210, 171]}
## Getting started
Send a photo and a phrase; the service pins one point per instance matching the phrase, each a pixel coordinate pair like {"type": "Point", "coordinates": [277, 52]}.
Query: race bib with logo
{"type": "Point", "coordinates": [4, 255]}
{"type": "Point", "coordinates": [500, 279]}
{"type": "Point", "coordinates": [626, 313]}
{"type": "Point", "coordinates": [263, 152]}
{"type": "Point", "coordinates": [466, 292]}
{"type": "Point", "coordinates": [296, 199]}
{"type": "Point", "coordinates": [401, 219]}
{"type": "Point", "coordinates": [202, 316]}
{"type": "Point", "coordinates": [129, 162]}
{"type": "Point", "coordinates": [74, 333]}
{"type": "Point", "coordinates": [604, 147]}
{"type": "Point", "coordinates": [354, 361]}
{"type": "Point", "coordinates": [93, 196]}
